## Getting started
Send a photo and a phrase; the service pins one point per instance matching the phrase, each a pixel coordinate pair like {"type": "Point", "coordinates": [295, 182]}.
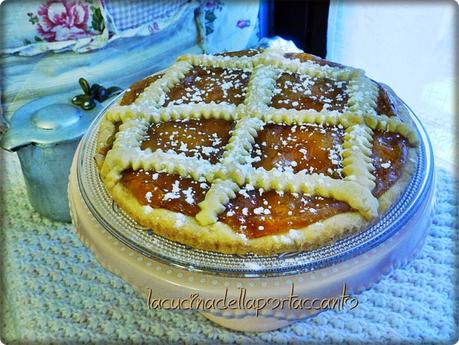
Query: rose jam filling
{"type": "Point", "coordinates": [161, 190]}
{"type": "Point", "coordinates": [137, 88]}
{"type": "Point", "coordinates": [256, 213]}
{"type": "Point", "coordinates": [210, 84]}
{"type": "Point", "coordinates": [384, 103]}
{"type": "Point", "coordinates": [203, 138]}
{"type": "Point", "coordinates": [294, 91]}
{"type": "Point", "coordinates": [390, 151]}
{"type": "Point", "coordinates": [311, 147]}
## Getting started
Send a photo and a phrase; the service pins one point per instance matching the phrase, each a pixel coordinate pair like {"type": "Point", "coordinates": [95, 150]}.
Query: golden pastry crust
{"type": "Point", "coordinates": [124, 127]}
{"type": "Point", "coordinates": [221, 238]}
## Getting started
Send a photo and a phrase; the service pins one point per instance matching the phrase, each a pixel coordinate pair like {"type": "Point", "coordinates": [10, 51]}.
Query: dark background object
{"type": "Point", "coordinates": [303, 22]}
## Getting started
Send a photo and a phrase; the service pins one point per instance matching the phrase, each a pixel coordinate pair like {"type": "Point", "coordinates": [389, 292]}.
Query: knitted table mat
{"type": "Point", "coordinates": [54, 290]}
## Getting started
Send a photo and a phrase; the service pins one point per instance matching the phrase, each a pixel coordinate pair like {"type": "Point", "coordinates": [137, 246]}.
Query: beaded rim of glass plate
{"type": "Point", "coordinates": [147, 243]}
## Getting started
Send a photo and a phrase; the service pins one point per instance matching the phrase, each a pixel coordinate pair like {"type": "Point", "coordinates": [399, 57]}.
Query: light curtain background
{"type": "Point", "coordinates": [409, 45]}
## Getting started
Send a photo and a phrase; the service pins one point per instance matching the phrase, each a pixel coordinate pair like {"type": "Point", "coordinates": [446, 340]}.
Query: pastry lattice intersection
{"type": "Point", "coordinates": [249, 147]}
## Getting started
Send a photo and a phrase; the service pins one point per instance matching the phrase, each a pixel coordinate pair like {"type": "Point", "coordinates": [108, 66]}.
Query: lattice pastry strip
{"type": "Point", "coordinates": [392, 124]}
{"type": "Point", "coordinates": [216, 198]}
{"type": "Point", "coordinates": [238, 149]}
{"type": "Point", "coordinates": [356, 155]}
{"type": "Point", "coordinates": [219, 61]}
{"type": "Point", "coordinates": [381, 122]}
{"type": "Point", "coordinates": [317, 185]}
{"type": "Point", "coordinates": [260, 88]}
{"type": "Point", "coordinates": [276, 59]}
{"type": "Point", "coordinates": [152, 96]}
{"type": "Point", "coordinates": [364, 93]}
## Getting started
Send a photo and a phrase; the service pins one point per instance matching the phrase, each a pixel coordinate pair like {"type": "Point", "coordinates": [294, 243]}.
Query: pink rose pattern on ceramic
{"type": "Point", "coordinates": [63, 20]}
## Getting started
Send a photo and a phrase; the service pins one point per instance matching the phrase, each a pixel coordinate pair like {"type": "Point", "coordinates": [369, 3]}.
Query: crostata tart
{"type": "Point", "coordinates": [257, 151]}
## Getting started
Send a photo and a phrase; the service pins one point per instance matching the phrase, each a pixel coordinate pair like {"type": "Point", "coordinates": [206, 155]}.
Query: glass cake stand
{"type": "Point", "coordinates": [167, 272]}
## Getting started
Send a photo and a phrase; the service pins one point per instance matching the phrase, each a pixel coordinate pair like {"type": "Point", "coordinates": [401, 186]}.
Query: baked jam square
{"type": "Point", "coordinates": [304, 92]}
{"type": "Point", "coordinates": [210, 84]}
